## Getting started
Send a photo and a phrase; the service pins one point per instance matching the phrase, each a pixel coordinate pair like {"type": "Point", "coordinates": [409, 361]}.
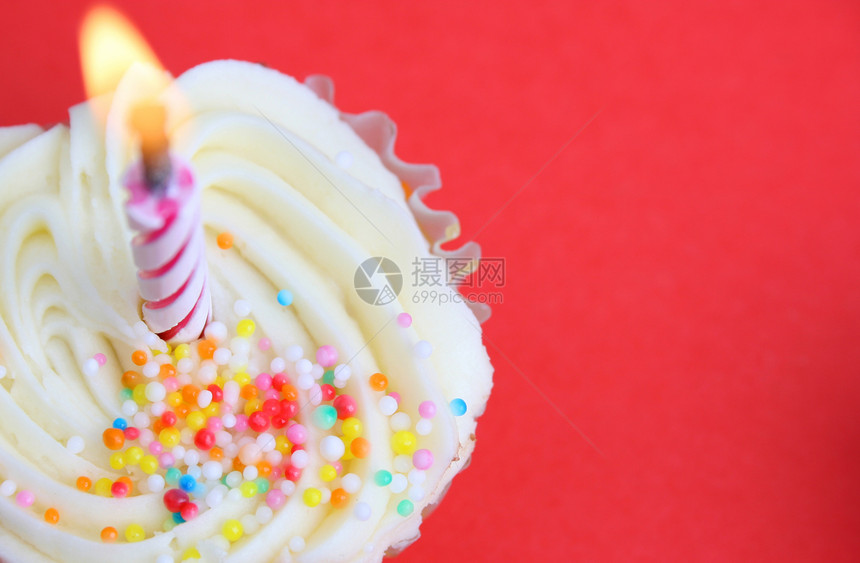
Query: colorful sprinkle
{"type": "Point", "coordinates": [109, 534]}
{"type": "Point", "coordinates": [404, 320]}
{"type": "Point", "coordinates": [285, 298]}
{"type": "Point", "coordinates": [405, 507]}
{"type": "Point", "coordinates": [52, 516]}
{"type": "Point", "coordinates": [458, 407]}
{"type": "Point", "coordinates": [224, 240]}
{"type": "Point", "coordinates": [382, 478]}
{"type": "Point", "coordinates": [25, 498]}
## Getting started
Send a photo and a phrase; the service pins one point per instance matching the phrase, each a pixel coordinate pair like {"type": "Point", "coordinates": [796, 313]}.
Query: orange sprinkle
{"type": "Point", "coordinates": [290, 392]}
{"type": "Point", "coordinates": [127, 481]}
{"type": "Point", "coordinates": [360, 447]}
{"type": "Point", "coordinates": [167, 370]}
{"type": "Point", "coordinates": [139, 357]}
{"type": "Point", "coordinates": [249, 391]}
{"type": "Point", "coordinates": [189, 394]}
{"type": "Point", "coordinates": [378, 382]}
{"type": "Point", "coordinates": [216, 454]}
{"type": "Point", "coordinates": [52, 516]}
{"type": "Point", "coordinates": [83, 483]}
{"type": "Point", "coordinates": [113, 438]}
{"type": "Point", "coordinates": [182, 411]}
{"type": "Point", "coordinates": [407, 190]}
{"type": "Point", "coordinates": [264, 469]}
{"type": "Point", "coordinates": [206, 349]}
{"type": "Point", "coordinates": [109, 534]}
{"type": "Point", "coordinates": [132, 379]}
{"type": "Point", "coordinates": [238, 465]}
{"type": "Point", "coordinates": [157, 425]}
{"type": "Point", "coordinates": [339, 498]}
{"type": "Point", "coordinates": [225, 240]}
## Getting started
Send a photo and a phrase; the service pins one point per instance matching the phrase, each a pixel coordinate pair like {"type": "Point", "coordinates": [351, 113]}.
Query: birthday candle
{"type": "Point", "coordinates": [168, 248]}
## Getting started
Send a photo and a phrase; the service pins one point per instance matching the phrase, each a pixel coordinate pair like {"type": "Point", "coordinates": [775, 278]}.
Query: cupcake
{"type": "Point", "coordinates": [325, 409]}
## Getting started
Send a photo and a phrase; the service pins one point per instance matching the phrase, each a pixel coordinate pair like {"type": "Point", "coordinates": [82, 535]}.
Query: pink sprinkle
{"type": "Point", "coordinates": [275, 499]}
{"type": "Point", "coordinates": [214, 424]}
{"type": "Point", "coordinates": [146, 437]}
{"type": "Point", "coordinates": [272, 394]}
{"type": "Point", "coordinates": [263, 381]}
{"type": "Point", "coordinates": [25, 498]}
{"type": "Point", "coordinates": [184, 177]}
{"type": "Point", "coordinates": [338, 466]}
{"type": "Point", "coordinates": [395, 395]}
{"type": "Point", "coordinates": [155, 448]}
{"type": "Point", "coordinates": [100, 358]}
{"type": "Point", "coordinates": [404, 320]}
{"type": "Point", "coordinates": [264, 344]}
{"type": "Point", "coordinates": [427, 409]}
{"type": "Point", "coordinates": [166, 460]}
{"type": "Point", "coordinates": [131, 433]}
{"type": "Point", "coordinates": [241, 423]}
{"type": "Point", "coordinates": [226, 408]}
{"type": "Point", "coordinates": [422, 459]}
{"type": "Point", "coordinates": [297, 434]}
{"type": "Point", "coordinates": [326, 356]}
{"type": "Point", "coordinates": [170, 384]}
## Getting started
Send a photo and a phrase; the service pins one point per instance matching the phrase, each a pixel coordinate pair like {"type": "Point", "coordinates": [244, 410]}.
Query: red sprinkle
{"type": "Point", "coordinates": [204, 439]}
{"type": "Point", "coordinates": [346, 406]}
{"type": "Point", "coordinates": [174, 499]}
{"type": "Point", "coordinates": [188, 510]}
{"type": "Point", "coordinates": [258, 421]}
{"type": "Point", "coordinates": [168, 418]}
{"type": "Point", "coordinates": [131, 433]}
{"type": "Point", "coordinates": [328, 392]}
{"type": "Point", "coordinates": [279, 380]}
{"type": "Point", "coordinates": [217, 393]}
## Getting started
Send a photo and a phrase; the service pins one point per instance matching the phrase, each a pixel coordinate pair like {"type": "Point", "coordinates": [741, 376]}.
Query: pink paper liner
{"type": "Point", "coordinates": [379, 132]}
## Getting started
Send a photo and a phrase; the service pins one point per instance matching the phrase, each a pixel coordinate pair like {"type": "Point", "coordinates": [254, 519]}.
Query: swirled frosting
{"type": "Point", "coordinates": [308, 194]}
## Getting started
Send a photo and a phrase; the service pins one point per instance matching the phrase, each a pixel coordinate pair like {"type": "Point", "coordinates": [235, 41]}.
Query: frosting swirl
{"type": "Point", "coordinates": [268, 153]}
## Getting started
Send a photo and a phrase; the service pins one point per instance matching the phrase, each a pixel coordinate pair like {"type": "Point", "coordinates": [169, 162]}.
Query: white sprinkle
{"type": "Point", "coordinates": [264, 514]}
{"type": "Point", "coordinates": [151, 369]}
{"type": "Point", "coordinates": [155, 391]}
{"type": "Point", "coordinates": [304, 366]}
{"type": "Point", "coordinates": [398, 483]}
{"type": "Point", "coordinates": [250, 524]}
{"type": "Point", "coordinates": [274, 457]}
{"type": "Point", "coordinates": [423, 349]}
{"type": "Point", "coordinates": [416, 493]}
{"type": "Point", "coordinates": [293, 353]}
{"type": "Point", "coordinates": [234, 479]}
{"type": "Point", "coordinates": [400, 421]}
{"type": "Point", "coordinates": [277, 365]}
{"type": "Point", "coordinates": [162, 359]}
{"type": "Point", "coordinates": [317, 371]}
{"type": "Point", "coordinates": [242, 308]}
{"type": "Point", "coordinates": [351, 483]}
{"type": "Point", "coordinates": [214, 497]}
{"type": "Point", "coordinates": [387, 405]}
{"type": "Point", "coordinates": [223, 438]}
{"type": "Point", "coordinates": [216, 331]}
{"type": "Point", "coordinates": [221, 543]}
{"type": "Point", "coordinates": [250, 473]}
{"type": "Point", "coordinates": [212, 470]}
{"type": "Point", "coordinates": [342, 372]}
{"type": "Point", "coordinates": [90, 367]}
{"type": "Point", "coordinates": [141, 420]}
{"type": "Point", "coordinates": [155, 483]}
{"type": "Point", "coordinates": [297, 544]}
{"type": "Point", "coordinates": [299, 459]}
{"type": "Point", "coordinates": [129, 408]}
{"type": "Point", "coordinates": [231, 392]}
{"type": "Point", "coordinates": [424, 426]}
{"type": "Point", "coordinates": [192, 457]}
{"type": "Point", "coordinates": [240, 346]}
{"type": "Point", "coordinates": [305, 381]}
{"type": "Point", "coordinates": [178, 452]}
{"type": "Point", "coordinates": [158, 408]}
{"type": "Point", "coordinates": [417, 476]}
{"type": "Point", "coordinates": [8, 488]}
{"type": "Point", "coordinates": [234, 495]}
{"type": "Point", "coordinates": [343, 159]}
{"type": "Point", "coordinates": [402, 463]}
{"type": "Point", "coordinates": [266, 442]}
{"type": "Point", "coordinates": [229, 420]}
{"type": "Point", "coordinates": [185, 365]}
{"type": "Point", "coordinates": [152, 340]}
{"type": "Point", "coordinates": [222, 356]}
{"type": "Point", "coordinates": [362, 511]}
{"type": "Point", "coordinates": [325, 495]}
{"type": "Point", "coordinates": [288, 487]}
{"type": "Point", "coordinates": [204, 398]}
{"type": "Point", "coordinates": [186, 436]}
{"type": "Point", "coordinates": [339, 383]}
{"type": "Point", "coordinates": [75, 445]}
{"type": "Point", "coordinates": [368, 548]}
{"type": "Point", "coordinates": [332, 448]}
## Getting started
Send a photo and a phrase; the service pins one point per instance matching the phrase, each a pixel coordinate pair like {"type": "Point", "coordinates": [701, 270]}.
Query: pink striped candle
{"type": "Point", "coordinates": [168, 249]}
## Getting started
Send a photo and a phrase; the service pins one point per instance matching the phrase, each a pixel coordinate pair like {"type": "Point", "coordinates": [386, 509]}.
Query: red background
{"type": "Point", "coordinates": [682, 278]}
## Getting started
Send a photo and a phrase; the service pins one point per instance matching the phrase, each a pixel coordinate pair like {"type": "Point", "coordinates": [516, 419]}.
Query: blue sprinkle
{"type": "Point", "coordinates": [199, 490]}
{"type": "Point", "coordinates": [285, 298]}
{"type": "Point", "coordinates": [187, 483]}
{"type": "Point", "coordinates": [458, 407]}
{"type": "Point", "coordinates": [120, 423]}
{"type": "Point", "coordinates": [177, 517]}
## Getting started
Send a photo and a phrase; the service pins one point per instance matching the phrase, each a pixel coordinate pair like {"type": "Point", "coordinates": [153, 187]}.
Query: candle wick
{"type": "Point", "coordinates": [148, 120]}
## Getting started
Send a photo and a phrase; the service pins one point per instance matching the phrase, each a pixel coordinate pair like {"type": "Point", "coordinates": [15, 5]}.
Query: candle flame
{"type": "Point", "coordinates": [109, 45]}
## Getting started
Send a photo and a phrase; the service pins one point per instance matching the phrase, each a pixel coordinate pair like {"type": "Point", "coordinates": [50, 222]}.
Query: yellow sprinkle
{"type": "Point", "coordinates": [139, 394]}
{"type": "Point", "coordinates": [181, 351]}
{"type": "Point", "coordinates": [242, 378]}
{"type": "Point", "coordinates": [169, 437]}
{"type": "Point", "coordinates": [174, 399]}
{"type": "Point", "coordinates": [191, 553]}
{"type": "Point", "coordinates": [248, 488]}
{"type": "Point", "coordinates": [245, 328]}
{"type": "Point", "coordinates": [212, 410]}
{"type": "Point", "coordinates": [103, 486]}
{"type": "Point", "coordinates": [328, 472]}
{"type": "Point", "coordinates": [347, 453]}
{"type": "Point", "coordinates": [404, 442]}
{"type": "Point", "coordinates": [312, 496]}
{"type": "Point", "coordinates": [149, 464]}
{"type": "Point", "coordinates": [117, 460]}
{"type": "Point", "coordinates": [195, 420]}
{"type": "Point", "coordinates": [281, 443]}
{"type": "Point", "coordinates": [133, 455]}
{"type": "Point", "coordinates": [253, 405]}
{"type": "Point", "coordinates": [352, 427]}
{"type": "Point", "coordinates": [135, 533]}
{"type": "Point", "coordinates": [232, 530]}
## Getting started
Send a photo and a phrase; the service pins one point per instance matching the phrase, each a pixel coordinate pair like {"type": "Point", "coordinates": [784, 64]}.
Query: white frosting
{"type": "Point", "coordinates": [264, 149]}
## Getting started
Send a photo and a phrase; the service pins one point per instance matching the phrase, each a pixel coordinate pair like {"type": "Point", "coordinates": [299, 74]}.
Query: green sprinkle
{"type": "Point", "coordinates": [383, 478]}
{"type": "Point", "coordinates": [405, 507]}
